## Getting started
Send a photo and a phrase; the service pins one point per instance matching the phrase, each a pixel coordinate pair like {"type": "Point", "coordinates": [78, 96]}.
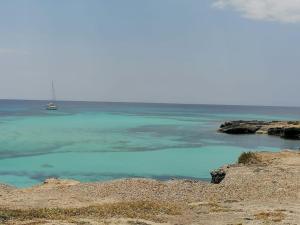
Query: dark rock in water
{"type": "Point", "coordinates": [283, 129]}
{"type": "Point", "coordinates": [217, 176]}
{"type": "Point", "coordinates": [241, 127]}
{"type": "Point", "coordinates": [285, 132]}
{"type": "Point", "coordinates": [240, 130]}
{"type": "Point", "coordinates": [291, 133]}
{"type": "Point", "coordinates": [276, 131]}
{"type": "Point", "coordinates": [227, 124]}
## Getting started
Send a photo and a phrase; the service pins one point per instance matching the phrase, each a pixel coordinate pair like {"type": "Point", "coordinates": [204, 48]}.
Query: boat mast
{"type": "Point", "coordinates": [53, 92]}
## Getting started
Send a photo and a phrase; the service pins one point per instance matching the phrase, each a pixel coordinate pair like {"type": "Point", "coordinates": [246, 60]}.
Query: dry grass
{"type": "Point", "coordinates": [215, 207]}
{"type": "Point", "coordinates": [139, 210]}
{"type": "Point", "coordinates": [209, 207]}
{"type": "Point", "coordinates": [248, 158]}
{"type": "Point", "coordinates": [270, 216]}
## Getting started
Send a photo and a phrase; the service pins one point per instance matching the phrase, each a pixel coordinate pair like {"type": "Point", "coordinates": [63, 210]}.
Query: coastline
{"type": "Point", "coordinates": [262, 192]}
{"type": "Point", "coordinates": [282, 129]}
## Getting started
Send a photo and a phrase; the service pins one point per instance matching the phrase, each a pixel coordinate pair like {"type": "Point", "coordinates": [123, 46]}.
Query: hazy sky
{"type": "Point", "coordinates": [184, 51]}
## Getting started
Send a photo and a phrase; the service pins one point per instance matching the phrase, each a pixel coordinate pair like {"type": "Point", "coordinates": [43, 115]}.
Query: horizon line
{"type": "Point", "coordinates": [137, 102]}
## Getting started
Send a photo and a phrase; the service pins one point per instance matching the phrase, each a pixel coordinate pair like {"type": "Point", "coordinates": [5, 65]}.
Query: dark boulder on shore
{"type": "Point", "coordinates": [217, 176]}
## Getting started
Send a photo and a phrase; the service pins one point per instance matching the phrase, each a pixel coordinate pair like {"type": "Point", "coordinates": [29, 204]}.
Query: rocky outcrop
{"type": "Point", "coordinates": [217, 176]}
{"type": "Point", "coordinates": [276, 131]}
{"type": "Point", "coordinates": [284, 129]}
{"type": "Point", "coordinates": [54, 182]}
{"type": "Point", "coordinates": [291, 133]}
{"type": "Point", "coordinates": [242, 127]}
{"type": "Point", "coordinates": [241, 130]}
{"type": "Point", "coordinates": [6, 188]}
{"type": "Point", "coordinates": [285, 132]}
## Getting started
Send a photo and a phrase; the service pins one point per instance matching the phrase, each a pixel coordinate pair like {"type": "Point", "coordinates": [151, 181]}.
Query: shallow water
{"type": "Point", "coordinates": [104, 141]}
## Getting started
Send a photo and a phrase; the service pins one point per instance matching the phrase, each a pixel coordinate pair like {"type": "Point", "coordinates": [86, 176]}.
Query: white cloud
{"type": "Point", "coordinates": [286, 11]}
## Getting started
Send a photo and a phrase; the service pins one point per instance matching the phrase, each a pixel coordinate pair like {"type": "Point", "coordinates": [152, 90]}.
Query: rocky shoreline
{"type": "Point", "coordinates": [260, 191]}
{"type": "Point", "coordinates": [283, 129]}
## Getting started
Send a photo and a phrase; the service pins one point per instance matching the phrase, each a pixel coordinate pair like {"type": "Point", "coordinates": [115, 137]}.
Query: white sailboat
{"type": "Point", "coordinates": [51, 105]}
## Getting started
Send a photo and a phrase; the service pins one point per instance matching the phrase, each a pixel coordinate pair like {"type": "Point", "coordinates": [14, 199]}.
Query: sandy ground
{"type": "Point", "coordinates": [264, 193]}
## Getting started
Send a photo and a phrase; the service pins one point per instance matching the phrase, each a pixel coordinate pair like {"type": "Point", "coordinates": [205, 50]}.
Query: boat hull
{"type": "Point", "coordinates": [51, 106]}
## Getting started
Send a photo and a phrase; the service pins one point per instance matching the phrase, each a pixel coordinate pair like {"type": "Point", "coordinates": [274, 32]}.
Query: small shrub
{"type": "Point", "coordinates": [248, 158]}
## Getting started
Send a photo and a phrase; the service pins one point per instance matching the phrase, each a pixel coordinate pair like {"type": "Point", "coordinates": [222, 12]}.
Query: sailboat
{"type": "Point", "coordinates": [51, 105]}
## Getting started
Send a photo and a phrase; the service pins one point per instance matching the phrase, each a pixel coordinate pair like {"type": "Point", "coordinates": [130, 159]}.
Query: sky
{"type": "Point", "coordinates": [241, 52]}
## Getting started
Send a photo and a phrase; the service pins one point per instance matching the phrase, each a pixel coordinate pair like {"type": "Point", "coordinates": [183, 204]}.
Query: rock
{"type": "Point", "coordinates": [293, 123]}
{"type": "Point", "coordinates": [241, 127]}
{"type": "Point", "coordinates": [284, 129]}
{"type": "Point", "coordinates": [285, 132]}
{"type": "Point", "coordinates": [241, 130]}
{"type": "Point", "coordinates": [276, 131]}
{"type": "Point", "coordinates": [6, 188]}
{"type": "Point", "coordinates": [59, 182]}
{"type": "Point", "coordinates": [217, 176]}
{"type": "Point", "coordinates": [291, 133]}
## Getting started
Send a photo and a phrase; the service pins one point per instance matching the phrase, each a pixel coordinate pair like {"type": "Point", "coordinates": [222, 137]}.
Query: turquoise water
{"type": "Point", "coordinates": [105, 141]}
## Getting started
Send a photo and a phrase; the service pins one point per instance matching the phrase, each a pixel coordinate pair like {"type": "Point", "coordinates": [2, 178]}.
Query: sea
{"type": "Point", "coordinates": [101, 141]}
